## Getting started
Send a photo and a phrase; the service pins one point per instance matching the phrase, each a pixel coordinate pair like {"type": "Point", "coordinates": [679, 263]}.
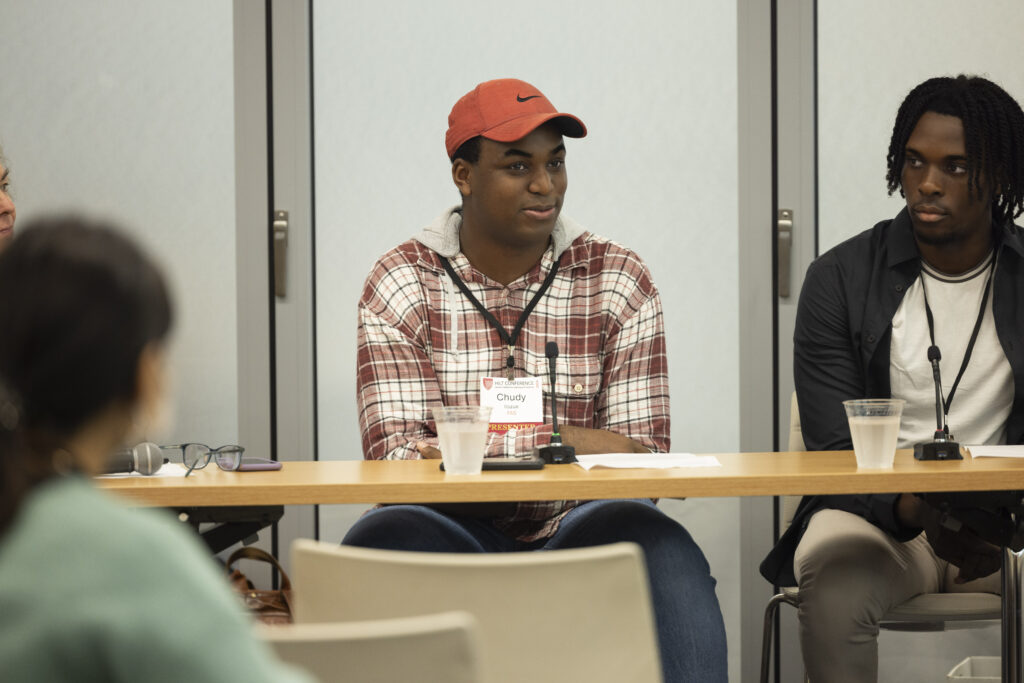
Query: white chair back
{"type": "Point", "coordinates": [435, 648]}
{"type": "Point", "coordinates": [580, 614]}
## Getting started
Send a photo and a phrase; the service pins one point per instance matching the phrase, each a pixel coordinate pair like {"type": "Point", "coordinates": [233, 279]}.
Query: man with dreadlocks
{"type": "Point", "coordinates": [947, 271]}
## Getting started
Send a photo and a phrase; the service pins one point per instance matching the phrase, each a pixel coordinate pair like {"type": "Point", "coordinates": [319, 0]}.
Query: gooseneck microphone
{"type": "Point", "coordinates": [556, 453]}
{"type": "Point", "coordinates": [551, 353]}
{"type": "Point", "coordinates": [146, 458]}
{"type": "Point", "coordinates": [941, 428]}
{"type": "Point", "coordinates": [942, 447]}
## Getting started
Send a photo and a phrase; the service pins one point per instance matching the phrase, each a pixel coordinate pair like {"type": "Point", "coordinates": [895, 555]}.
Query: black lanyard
{"type": "Point", "coordinates": [974, 334]}
{"type": "Point", "coordinates": [507, 339]}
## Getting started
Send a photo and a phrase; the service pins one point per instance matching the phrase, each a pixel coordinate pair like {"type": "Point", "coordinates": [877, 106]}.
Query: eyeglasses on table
{"type": "Point", "coordinates": [196, 456]}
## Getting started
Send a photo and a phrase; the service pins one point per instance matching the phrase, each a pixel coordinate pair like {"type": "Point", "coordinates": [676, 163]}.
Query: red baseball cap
{"type": "Point", "coordinates": [504, 110]}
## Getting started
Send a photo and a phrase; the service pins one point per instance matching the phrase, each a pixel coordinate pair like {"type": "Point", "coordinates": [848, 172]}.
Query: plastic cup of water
{"type": "Point", "coordinates": [462, 431]}
{"type": "Point", "coordinates": [874, 428]}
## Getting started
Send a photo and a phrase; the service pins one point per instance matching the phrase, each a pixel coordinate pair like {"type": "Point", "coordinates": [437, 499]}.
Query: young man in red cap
{"type": "Point", "coordinates": [473, 302]}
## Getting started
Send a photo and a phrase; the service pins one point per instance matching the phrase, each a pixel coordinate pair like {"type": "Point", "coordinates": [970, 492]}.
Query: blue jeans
{"type": "Point", "coordinates": [691, 633]}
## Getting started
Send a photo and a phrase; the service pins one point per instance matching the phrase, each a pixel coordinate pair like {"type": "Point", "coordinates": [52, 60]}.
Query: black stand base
{"type": "Point", "coordinates": [232, 524]}
{"type": "Point", "coordinates": [556, 454]}
{"type": "Point", "coordinates": [937, 450]}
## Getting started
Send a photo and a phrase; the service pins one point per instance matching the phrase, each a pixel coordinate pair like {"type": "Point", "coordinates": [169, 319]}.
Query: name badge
{"type": "Point", "coordinates": [515, 403]}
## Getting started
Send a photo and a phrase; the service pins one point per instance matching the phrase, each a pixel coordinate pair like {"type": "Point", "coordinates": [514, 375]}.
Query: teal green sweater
{"type": "Point", "coordinates": [91, 590]}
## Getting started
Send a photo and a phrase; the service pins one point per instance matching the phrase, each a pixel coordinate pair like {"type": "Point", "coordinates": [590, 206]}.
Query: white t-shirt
{"type": "Point", "coordinates": [985, 394]}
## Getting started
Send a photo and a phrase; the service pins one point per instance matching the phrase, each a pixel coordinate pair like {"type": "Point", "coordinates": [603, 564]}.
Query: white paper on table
{"type": "Point", "coordinates": [656, 461]}
{"type": "Point", "coordinates": [996, 451]}
{"type": "Point", "coordinates": [168, 469]}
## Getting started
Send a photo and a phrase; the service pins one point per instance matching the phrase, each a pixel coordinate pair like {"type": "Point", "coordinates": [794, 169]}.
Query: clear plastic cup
{"type": "Point", "coordinates": [874, 428]}
{"type": "Point", "coordinates": [462, 431]}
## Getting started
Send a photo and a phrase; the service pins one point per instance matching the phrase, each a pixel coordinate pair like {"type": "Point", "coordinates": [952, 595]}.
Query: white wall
{"type": "Point", "coordinates": [655, 82]}
{"type": "Point", "coordinates": [871, 54]}
{"type": "Point", "coordinates": [125, 110]}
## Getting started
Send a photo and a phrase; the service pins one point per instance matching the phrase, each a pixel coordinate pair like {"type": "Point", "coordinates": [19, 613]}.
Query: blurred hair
{"type": "Point", "coordinates": [79, 304]}
{"type": "Point", "coordinates": [993, 137]}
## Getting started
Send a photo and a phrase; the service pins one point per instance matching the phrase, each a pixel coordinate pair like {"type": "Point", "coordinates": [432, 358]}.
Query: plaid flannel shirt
{"type": "Point", "coordinates": [422, 343]}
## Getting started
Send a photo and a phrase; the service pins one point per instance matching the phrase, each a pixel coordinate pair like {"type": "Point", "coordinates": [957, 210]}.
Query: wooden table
{"type": "Point", "coordinates": [741, 474]}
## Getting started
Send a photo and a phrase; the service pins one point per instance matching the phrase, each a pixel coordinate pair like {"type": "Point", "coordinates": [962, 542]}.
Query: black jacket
{"type": "Point", "coordinates": [841, 351]}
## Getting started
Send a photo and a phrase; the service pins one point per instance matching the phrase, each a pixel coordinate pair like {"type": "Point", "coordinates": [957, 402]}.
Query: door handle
{"type": "Point", "coordinates": [784, 240]}
{"type": "Point", "coordinates": [280, 253]}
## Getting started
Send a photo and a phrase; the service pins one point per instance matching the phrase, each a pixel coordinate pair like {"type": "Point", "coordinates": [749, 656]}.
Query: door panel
{"type": "Point", "coordinates": [103, 112]}
{"type": "Point", "coordinates": [868, 55]}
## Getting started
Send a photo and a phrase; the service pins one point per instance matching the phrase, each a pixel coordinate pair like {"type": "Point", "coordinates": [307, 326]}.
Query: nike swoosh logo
{"type": "Point", "coordinates": [524, 99]}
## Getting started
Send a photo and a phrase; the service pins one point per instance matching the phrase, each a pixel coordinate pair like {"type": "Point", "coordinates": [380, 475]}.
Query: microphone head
{"type": "Point", "coordinates": [551, 349]}
{"type": "Point", "coordinates": [148, 458]}
{"type": "Point", "coordinates": [933, 354]}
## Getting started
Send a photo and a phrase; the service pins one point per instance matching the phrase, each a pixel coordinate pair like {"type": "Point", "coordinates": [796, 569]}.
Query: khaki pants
{"type": "Point", "coordinates": [850, 574]}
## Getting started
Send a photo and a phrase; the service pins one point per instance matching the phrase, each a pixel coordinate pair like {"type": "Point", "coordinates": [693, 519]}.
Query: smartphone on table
{"type": "Point", "coordinates": [258, 465]}
{"type": "Point", "coordinates": [505, 463]}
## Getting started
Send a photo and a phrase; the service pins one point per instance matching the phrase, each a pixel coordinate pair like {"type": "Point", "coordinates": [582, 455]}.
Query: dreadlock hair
{"type": "Point", "coordinates": [993, 136]}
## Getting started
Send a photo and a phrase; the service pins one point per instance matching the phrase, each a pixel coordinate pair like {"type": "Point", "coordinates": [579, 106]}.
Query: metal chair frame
{"type": "Point", "coordinates": [908, 616]}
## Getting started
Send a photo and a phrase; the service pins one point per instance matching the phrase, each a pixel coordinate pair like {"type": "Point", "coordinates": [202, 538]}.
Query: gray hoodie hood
{"type": "Point", "coordinates": [443, 234]}
{"type": "Point", "coordinates": [443, 237]}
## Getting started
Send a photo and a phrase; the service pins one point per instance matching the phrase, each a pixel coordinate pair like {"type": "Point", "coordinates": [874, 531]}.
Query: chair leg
{"type": "Point", "coordinates": [769, 626]}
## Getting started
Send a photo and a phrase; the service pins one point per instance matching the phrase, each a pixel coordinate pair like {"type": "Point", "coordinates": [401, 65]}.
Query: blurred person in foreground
{"type": "Point", "coordinates": [89, 589]}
